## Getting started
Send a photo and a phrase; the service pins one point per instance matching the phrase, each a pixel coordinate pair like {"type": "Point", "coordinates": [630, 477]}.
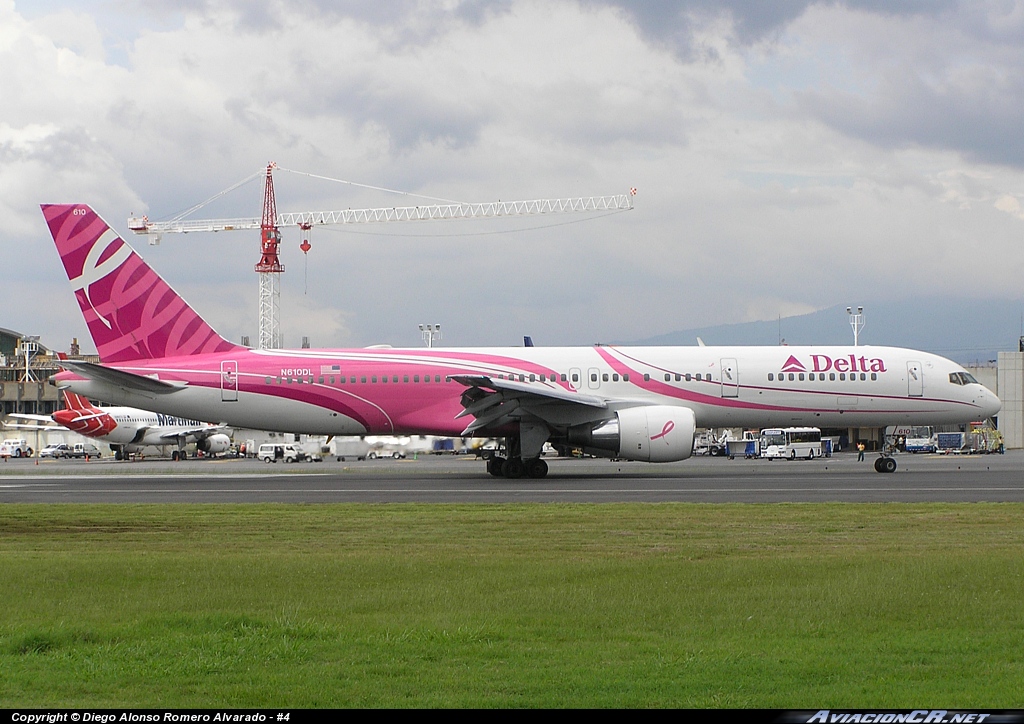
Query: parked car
{"type": "Point", "coordinates": [55, 450]}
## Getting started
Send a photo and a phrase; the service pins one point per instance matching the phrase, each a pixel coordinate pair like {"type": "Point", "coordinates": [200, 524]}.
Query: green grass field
{"type": "Point", "coordinates": [632, 605]}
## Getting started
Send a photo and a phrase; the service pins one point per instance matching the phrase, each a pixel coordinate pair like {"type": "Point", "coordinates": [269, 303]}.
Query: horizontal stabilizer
{"type": "Point", "coordinates": [120, 378]}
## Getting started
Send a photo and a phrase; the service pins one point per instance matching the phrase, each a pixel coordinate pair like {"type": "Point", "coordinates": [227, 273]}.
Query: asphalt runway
{"type": "Point", "coordinates": [920, 478]}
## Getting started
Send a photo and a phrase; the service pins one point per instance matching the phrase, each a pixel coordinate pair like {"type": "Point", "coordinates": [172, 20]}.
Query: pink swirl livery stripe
{"type": "Point", "coordinates": [661, 388]}
{"type": "Point", "coordinates": [131, 312]}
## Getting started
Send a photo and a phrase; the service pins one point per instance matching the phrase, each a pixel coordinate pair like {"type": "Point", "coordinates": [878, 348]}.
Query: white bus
{"type": "Point", "coordinates": [791, 443]}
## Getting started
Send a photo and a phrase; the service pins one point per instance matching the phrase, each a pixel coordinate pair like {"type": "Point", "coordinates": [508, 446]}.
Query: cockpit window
{"type": "Point", "coordinates": [962, 378]}
{"type": "Point", "coordinates": [969, 378]}
{"type": "Point", "coordinates": [954, 377]}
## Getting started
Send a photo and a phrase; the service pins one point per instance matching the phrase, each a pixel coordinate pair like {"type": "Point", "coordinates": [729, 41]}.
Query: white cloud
{"type": "Point", "coordinates": [786, 160]}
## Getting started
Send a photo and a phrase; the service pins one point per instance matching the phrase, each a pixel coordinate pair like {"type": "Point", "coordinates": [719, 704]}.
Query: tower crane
{"type": "Point", "coordinates": [270, 268]}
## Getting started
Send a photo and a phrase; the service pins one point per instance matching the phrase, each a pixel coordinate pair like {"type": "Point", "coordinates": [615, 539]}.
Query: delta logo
{"type": "Point", "coordinates": [825, 363]}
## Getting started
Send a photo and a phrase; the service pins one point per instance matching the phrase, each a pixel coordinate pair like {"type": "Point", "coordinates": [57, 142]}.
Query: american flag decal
{"type": "Point", "coordinates": [327, 369]}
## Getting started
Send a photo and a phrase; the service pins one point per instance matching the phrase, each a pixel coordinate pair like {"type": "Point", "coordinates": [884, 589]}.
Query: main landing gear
{"type": "Point", "coordinates": [514, 466]}
{"type": "Point", "coordinates": [885, 464]}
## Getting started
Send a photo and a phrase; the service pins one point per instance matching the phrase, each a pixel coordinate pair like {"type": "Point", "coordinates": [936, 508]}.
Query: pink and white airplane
{"type": "Point", "coordinates": [635, 403]}
{"type": "Point", "coordinates": [128, 430]}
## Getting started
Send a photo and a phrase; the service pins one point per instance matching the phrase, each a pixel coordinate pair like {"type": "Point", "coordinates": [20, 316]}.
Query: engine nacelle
{"type": "Point", "coordinates": [655, 434]}
{"type": "Point", "coordinates": [214, 444]}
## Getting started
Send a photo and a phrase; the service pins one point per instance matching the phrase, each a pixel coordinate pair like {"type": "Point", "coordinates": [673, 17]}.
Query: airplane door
{"type": "Point", "coordinates": [575, 378]}
{"type": "Point", "coordinates": [594, 378]}
{"type": "Point", "coordinates": [915, 380]}
{"type": "Point", "coordinates": [229, 381]}
{"type": "Point", "coordinates": [730, 377]}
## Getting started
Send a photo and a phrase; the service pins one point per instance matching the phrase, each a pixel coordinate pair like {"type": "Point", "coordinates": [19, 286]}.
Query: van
{"type": "Point", "coordinates": [272, 452]}
{"type": "Point", "coordinates": [84, 450]}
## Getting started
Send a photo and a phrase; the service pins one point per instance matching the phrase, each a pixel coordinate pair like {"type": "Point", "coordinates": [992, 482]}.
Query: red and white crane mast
{"type": "Point", "coordinates": [270, 268]}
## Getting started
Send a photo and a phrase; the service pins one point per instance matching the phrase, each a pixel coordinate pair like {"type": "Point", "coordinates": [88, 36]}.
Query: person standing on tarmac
{"type": "Point", "coordinates": [860, 452]}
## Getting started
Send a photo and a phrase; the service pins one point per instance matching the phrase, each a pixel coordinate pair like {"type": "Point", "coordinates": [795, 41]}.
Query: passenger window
{"type": "Point", "coordinates": [593, 377]}
{"type": "Point", "coordinates": [863, 376]}
{"type": "Point", "coordinates": [689, 377]}
{"type": "Point", "coordinates": [801, 376]}
{"type": "Point", "coordinates": [625, 378]}
{"type": "Point", "coordinates": [405, 378]}
{"type": "Point", "coordinates": [437, 378]}
{"type": "Point", "coordinates": [374, 379]}
{"type": "Point", "coordinates": [842, 377]}
{"type": "Point", "coordinates": [647, 377]}
{"type": "Point", "coordinates": [832, 376]}
{"type": "Point", "coordinates": [415, 378]}
{"type": "Point", "coordinates": [575, 377]}
{"type": "Point", "coordinates": [533, 377]}
{"type": "Point", "coordinates": [791, 377]}
{"type": "Point", "coordinates": [563, 378]}
{"type": "Point", "coordinates": [668, 377]}
{"type": "Point", "coordinates": [771, 377]}
{"type": "Point", "coordinates": [874, 376]}
{"type": "Point", "coordinates": [395, 379]}
{"type": "Point", "coordinates": [604, 377]}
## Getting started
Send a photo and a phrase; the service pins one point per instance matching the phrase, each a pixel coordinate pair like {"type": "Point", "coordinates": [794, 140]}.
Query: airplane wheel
{"type": "Point", "coordinates": [536, 468]}
{"type": "Point", "coordinates": [496, 466]}
{"type": "Point", "coordinates": [513, 468]}
{"type": "Point", "coordinates": [118, 455]}
{"type": "Point", "coordinates": [889, 465]}
{"type": "Point", "coordinates": [878, 465]}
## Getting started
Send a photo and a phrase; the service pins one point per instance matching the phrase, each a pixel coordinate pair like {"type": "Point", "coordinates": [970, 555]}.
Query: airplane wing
{"type": "Point", "coordinates": [120, 378]}
{"type": "Point", "coordinates": [199, 433]}
{"type": "Point", "coordinates": [496, 402]}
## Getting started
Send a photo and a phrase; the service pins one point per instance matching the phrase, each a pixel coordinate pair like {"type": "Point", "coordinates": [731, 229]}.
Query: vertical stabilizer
{"type": "Point", "coordinates": [77, 402]}
{"type": "Point", "coordinates": [132, 313]}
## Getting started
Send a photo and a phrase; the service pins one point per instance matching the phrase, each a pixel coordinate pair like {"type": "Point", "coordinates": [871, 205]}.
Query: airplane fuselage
{"type": "Point", "coordinates": [410, 391]}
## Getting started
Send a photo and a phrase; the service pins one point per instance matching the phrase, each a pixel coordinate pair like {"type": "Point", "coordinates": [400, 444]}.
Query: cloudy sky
{"type": "Point", "coordinates": [788, 156]}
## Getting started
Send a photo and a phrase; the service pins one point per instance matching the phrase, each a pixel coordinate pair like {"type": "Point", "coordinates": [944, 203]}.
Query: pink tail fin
{"type": "Point", "coordinates": [131, 312]}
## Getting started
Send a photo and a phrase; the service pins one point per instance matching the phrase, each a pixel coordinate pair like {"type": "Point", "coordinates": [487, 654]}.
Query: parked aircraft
{"type": "Point", "coordinates": [129, 430]}
{"type": "Point", "coordinates": [635, 403]}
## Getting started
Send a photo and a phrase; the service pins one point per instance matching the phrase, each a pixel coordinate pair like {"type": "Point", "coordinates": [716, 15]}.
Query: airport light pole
{"type": "Point", "coordinates": [430, 332]}
{"type": "Point", "coordinates": [857, 322]}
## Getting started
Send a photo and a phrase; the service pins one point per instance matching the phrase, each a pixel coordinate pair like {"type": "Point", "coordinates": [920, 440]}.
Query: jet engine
{"type": "Point", "coordinates": [655, 434]}
{"type": "Point", "coordinates": [214, 443]}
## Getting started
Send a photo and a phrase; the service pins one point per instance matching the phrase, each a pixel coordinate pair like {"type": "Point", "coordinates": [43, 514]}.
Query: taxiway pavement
{"type": "Point", "coordinates": [920, 478]}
